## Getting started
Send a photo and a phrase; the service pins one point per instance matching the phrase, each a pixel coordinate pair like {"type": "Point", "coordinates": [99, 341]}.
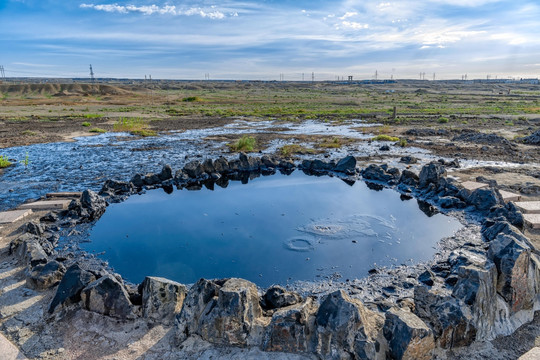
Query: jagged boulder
{"type": "Point", "coordinates": [345, 326]}
{"type": "Point", "coordinates": [431, 173]}
{"type": "Point", "coordinates": [483, 199]}
{"type": "Point", "coordinates": [137, 180]}
{"type": "Point", "coordinates": [269, 162]}
{"type": "Point", "coordinates": [223, 312]}
{"type": "Point", "coordinates": [162, 299]}
{"type": "Point", "coordinates": [346, 165]}
{"type": "Point", "coordinates": [92, 205]}
{"type": "Point", "coordinates": [166, 173]}
{"type": "Point", "coordinates": [114, 187]}
{"type": "Point", "coordinates": [377, 173]}
{"type": "Point", "coordinates": [291, 328]}
{"type": "Point", "coordinates": [517, 274]}
{"type": "Point", "coordinates": [221, 165]}
{"type": "Point", "coordinates": [450, 319]}
{"type": "Point", "coordinates": [408, 336]}
{"type": "Point", "coordinates": [451, 202]}
{"type": "Point", "coordinates": [194, 169]}
{"type": "Point", "coordinates": [69, 290]}
{"type": "Point", "coordinates": [44, 276]}
{"type": "Point", "coordinates": [108, 297]}
{"type": "Point", "coordinates": [277, 297]}
{"type": "Point", "coordinates": [27, 247]}
{"type": "Point", "coordinates": [409, 178]}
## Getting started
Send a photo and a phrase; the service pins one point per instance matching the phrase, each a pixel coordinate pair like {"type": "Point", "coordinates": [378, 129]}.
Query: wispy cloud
{"type": "Point", "coordinates": [211, 13]}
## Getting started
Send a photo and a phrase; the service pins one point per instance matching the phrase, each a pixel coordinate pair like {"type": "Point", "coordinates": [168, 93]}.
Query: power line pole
{"type": "Point", "coordinates": [313, 77]}
{"type": "Point", "coordinates": [376, 74]}
{"type": "Point", "coordinates": [91, 74]}
{"type": "Point", "coordinates": [433, 76]}
{"type": "Point", "coordinates": [2, 73]}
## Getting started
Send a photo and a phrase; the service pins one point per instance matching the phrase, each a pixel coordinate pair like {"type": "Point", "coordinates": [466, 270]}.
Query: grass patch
{"type": "Point", "coordinates": [443, 120]}
{"type": "Point", "coordinates": [245, 143]}
{"type": "Point", "coordinates": [192, 99]}
{"type": "Point", "coordinates": [4, 162]}
{"type": "Point", "coordinates": [144, 132]}
{"type": "Point", "coordinates": [288, 150]}
{"type": "Point", "coordinates": [402, 142]}
{"type": "Point", "coordinates": [334, 143]}
{"type": "Point", "coordinates": [92, 116]}
{"type": "Point", "coordinates": [29, 133]}
{"type": "Point", "coordinates": [384, 137]}
{"type": "Point", "coordinates": [86, 124]}
{"type": "Point", "coordinates": [97, 130]}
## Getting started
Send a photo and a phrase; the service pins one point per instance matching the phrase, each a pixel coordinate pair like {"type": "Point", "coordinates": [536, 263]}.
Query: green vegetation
{"type": "Point", "coordinates": [29, 133]}
{"type": "Point", "coordinates": [402, 142]}
{"type": "Point", "coordinates": [97, 130]}
{"type": "Point", "coordinates": [192, 99]}
{"type": "Point", "coordinates": [384, 137]}
{"type": "Point", "coordinates": [92, 116]}
{"type": "Point", "coordinates": [25, 161]}
{"type": "Point", "coordinates": [86, 124]}
{"type": "Point", "coordinates": [334, 143]}
{"type": "Point", "coordinates": [288, 150]}
{"type": "Point", "coordinates": [245, 143]}
{"type": "Point", "coordinates": [4, 162]}
{"type": "Point", "coordinates": [443, 120]}
{"type": "Point", "coordinates": [144, 132]}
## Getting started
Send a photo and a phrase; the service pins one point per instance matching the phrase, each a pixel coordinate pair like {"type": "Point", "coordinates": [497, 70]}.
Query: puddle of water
{"type": "Point", "coordinates": [275, 229]}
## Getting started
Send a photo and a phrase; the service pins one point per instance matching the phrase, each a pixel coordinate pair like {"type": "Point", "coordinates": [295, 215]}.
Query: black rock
{"type": "Point", "coordinates": [113, 187]}
{"type": "Point", "coordinates": [137, 181]}
{"type": "Point", "coordinates": [166, 173]}
{"type": "Point", "coordinates": [385, 148]}
{"type": "Point", "coordinates": [94, 204]}
{"type": "Point", "coordinates": [346, 165]}
{"type": "Point", "coordinates": [44, 276]}
{"type": "Point", "coordinates": [194, 169]}
{"type": "Point", "coordinates": [409, 178]}
{"type": "Point", "coordinates": [69, 290]}
{"type": "Point", "coordinates": [427, 278]}
{"type": "Point", "coordinates": [483, 199]}
{"type": "Point", "coordinates": [431, 173]}
{"type": "Point", "coordinates": [49, 217]}
{"type": "Point", "coordinates": [450, 202]}
{"type": "Point", "coordinates": [408, 160]}
{"type": "Point", "coordinates": [277, 297]}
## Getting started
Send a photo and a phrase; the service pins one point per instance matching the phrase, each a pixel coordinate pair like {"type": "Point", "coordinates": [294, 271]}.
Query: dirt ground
{"type": "Point", "coordinates": [42, 113]}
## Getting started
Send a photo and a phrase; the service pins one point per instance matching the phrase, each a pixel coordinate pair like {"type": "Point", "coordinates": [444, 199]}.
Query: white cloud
{"type": "Point", "coordinates": [161, 10]}
{"type": "Point", "coordinates": [354, 25]}
{"type": "Point", "coordinates": [348, 15]}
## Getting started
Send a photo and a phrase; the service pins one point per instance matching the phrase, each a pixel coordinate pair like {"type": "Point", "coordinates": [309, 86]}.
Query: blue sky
{"type": "Point", "coordinates": [248, 39]}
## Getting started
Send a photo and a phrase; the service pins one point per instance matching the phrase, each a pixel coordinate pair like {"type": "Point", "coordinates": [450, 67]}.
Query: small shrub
{"type": "Point", "coordinates": [245, 143]}
{"type": "Point", "coordinates": [522, 118]}
{"type": "Point", "coordinates": [92, 116]}
{"type": "Point", "coordinates": [4, 162]}
{"type": "Point", "coordinates": [97, 130]}
{"type": "Point", "coordinates": [29, 133]}
{"type": "Point", "coordinates": [384, 137]}
{"type": "Point", "coordinates": [25, 161]}
{"type": "Point", "coordinates": [192, 99]}
{"type": "Point", "coordinates": [144, 132]}
{"type": "Point", "coordinates": [86, 124]}
{"type": "Point", "coordinates": [402, 142]}
{"type": "Point", "coordinates": [443, 120]}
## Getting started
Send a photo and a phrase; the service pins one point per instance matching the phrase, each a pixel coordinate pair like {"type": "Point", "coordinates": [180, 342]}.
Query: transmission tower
{"type": "Point", "coordinates": [312, 77]}
{"type": "Point", "coordinates": [2, 73]}
{"type": "Point", "coordinates": [91, 74]}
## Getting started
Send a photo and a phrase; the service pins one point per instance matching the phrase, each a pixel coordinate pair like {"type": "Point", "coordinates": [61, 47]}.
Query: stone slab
{"type": "Point", "coordinates": [47, 205]}
{"type": "Point", "coordinates": [532, 220]}
{"type": "Point", "coordinates": [533, 354]}
{"type": "Point", "coordinates": [8, 351]}
{"type": "Point", "coordinates": [529, 207]}
{"type": "Point", "coordinates": [64, 195]}
{"type": "Point", "coordinates": [9, 217]}
{"type": "Point", "coordinates": [472, 185]}
{"type": "Point", "coordinates": [509, 196]}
